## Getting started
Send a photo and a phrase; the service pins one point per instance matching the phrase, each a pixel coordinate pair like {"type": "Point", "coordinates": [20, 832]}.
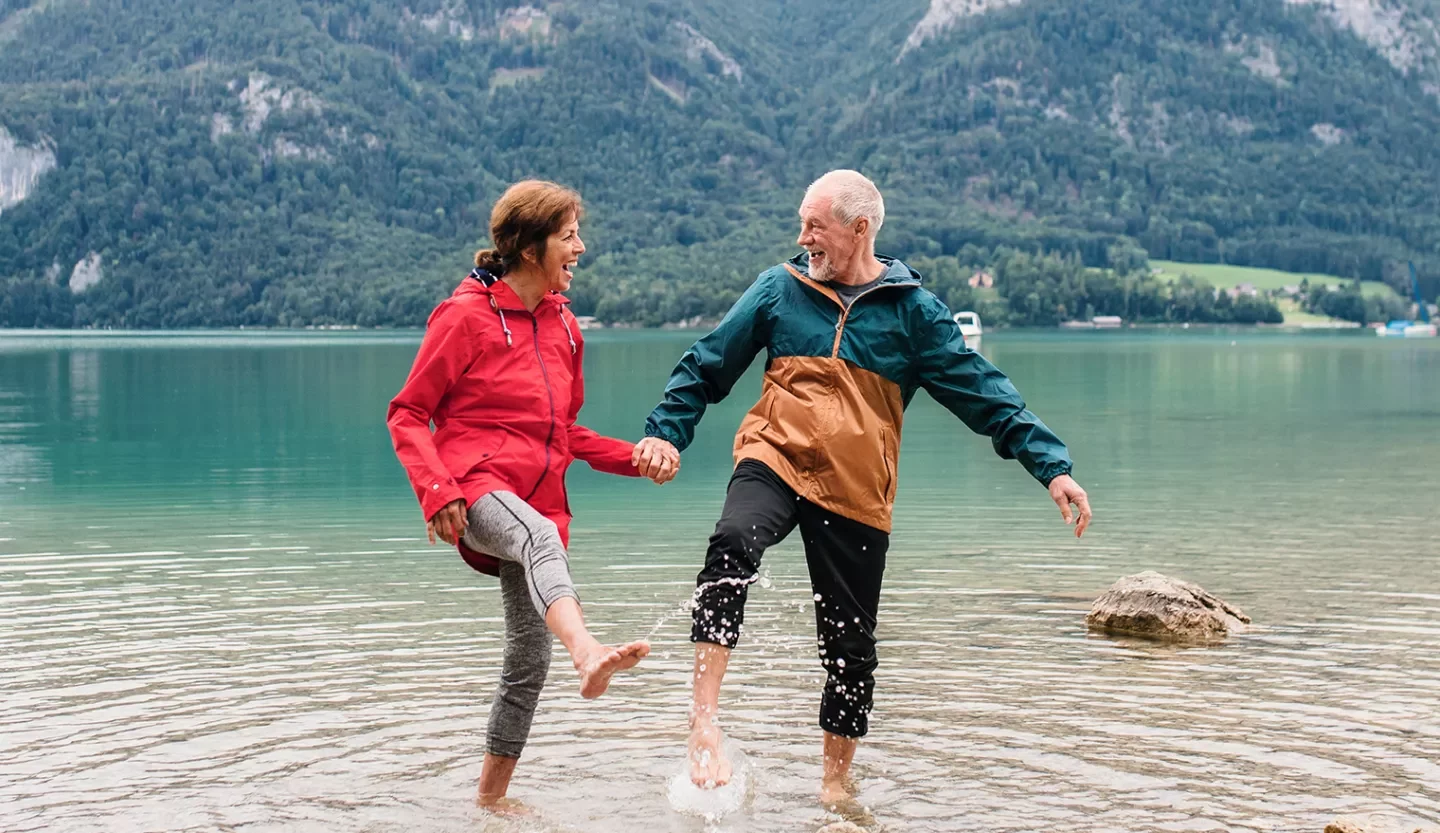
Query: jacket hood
{"type": "Point", "coordinates": [481, 282]}
{"type": "Point", "coordinates": [896, 272]}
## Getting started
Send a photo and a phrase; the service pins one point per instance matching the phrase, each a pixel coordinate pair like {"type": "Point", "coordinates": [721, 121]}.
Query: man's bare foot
{"type": "Point", "coordinates": [502, 806]}
{"type": "Point", "coordinates": [838, 796]}
{"type": "Point", "coordinates": [597, 667]}
{"type": "Point", "coordinates": [709, 767]}
{"type": "Point", "coordinates": [834, 791]}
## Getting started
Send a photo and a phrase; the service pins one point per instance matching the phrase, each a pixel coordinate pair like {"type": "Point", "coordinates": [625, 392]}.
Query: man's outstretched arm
{"type": "Point", "coordinates": [702, 377]}
{"type": "Point", "coordinates": [975, 390]}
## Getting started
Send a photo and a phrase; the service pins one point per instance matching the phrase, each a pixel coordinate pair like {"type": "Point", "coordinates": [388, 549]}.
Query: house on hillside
{"type": "Point", "coordinates": [982, 280]}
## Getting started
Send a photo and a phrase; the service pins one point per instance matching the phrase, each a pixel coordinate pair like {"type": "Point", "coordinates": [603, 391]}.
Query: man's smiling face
{"type": "Point", "coordinates": [831, 244]}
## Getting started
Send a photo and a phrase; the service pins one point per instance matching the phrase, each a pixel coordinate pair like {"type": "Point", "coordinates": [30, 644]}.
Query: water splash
{"type": "Point", "coordinates": [688, 606]}
{"type": "Point", "coordinates": [715, 803]}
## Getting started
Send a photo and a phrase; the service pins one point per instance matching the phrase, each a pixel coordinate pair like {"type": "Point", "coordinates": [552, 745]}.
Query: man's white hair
{"type": "Point", "coordinates": [852, 196]}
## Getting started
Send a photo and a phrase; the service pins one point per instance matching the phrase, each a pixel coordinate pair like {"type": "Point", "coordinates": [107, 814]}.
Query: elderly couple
{"type": "Point", "coordinates": [850, 337]}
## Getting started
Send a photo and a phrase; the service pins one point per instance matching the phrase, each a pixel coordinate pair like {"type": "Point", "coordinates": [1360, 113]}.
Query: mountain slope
{"type": "Point", "coordinates": [280, 162]}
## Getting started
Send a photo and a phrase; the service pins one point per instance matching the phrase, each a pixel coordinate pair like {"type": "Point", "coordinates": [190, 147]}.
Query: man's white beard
{"type": "Point", "coordinates": [824, 272]}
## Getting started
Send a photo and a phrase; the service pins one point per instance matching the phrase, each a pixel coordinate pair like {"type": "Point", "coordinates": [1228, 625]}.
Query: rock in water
{"type": "Point", "coordinates": [1154, 606]}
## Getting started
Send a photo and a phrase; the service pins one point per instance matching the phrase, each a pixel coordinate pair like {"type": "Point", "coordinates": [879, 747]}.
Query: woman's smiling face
{"type": "Point", "coordinates": [562, 252]}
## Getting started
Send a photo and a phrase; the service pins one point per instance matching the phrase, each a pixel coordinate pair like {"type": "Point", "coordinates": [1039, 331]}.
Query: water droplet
{"type": "Point", "coordinates": [840, 661]}
{"type": "Point", "coordinates": [818, 597]}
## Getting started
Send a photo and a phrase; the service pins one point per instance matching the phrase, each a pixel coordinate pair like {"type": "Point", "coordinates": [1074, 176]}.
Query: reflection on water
{"type": "Point", "coordinates": [218, 611]}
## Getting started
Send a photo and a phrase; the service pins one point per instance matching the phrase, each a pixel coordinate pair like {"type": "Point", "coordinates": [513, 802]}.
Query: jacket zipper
{"type": "Point", "coordinates": [549, 394]}
{"type": "Point", "coordinates": [844, 310]}
{"type": "Point", "coordinates": [845, 316]}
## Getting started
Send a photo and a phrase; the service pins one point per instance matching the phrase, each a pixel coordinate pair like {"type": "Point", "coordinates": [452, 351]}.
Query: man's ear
{"type": "Point", "coordinates": [862, 226]}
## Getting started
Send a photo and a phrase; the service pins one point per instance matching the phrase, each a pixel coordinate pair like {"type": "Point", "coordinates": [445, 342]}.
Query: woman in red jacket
{"type": "Point", "coordinates": [499, 375]}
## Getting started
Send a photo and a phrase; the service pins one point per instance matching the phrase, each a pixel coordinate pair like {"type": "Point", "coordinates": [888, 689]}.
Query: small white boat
{"type": "Point", "coordinates": [970, 328]}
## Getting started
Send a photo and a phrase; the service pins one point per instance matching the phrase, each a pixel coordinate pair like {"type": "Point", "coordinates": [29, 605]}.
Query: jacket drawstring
{"type": "Point", "coordinates": [566, 324]}
{"type": "Point", "coordinates": [487, 280]}
{"type": "Point", "coordinates": [509, 342]}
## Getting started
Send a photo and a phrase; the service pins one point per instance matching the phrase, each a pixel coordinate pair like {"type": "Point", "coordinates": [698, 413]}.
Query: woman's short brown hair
{"type": "Point", "coordinates": [524, 217]}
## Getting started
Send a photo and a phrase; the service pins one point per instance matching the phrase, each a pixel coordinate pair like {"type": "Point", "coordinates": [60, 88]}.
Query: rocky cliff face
{"type": "Point", "coordinates": [1407, 34]}
{"type": "Point", "coordinates": [20, 168]}
{"type": "Point", "coordinates": [943, 14]}
{"type": "Point", "coordinates": [1399, 32]}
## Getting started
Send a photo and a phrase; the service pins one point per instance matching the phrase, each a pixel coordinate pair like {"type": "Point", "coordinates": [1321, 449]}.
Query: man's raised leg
{"type": "Point", "coordinates": [760, 510]}
{"type": "Point", "coordinates": [708, 765]}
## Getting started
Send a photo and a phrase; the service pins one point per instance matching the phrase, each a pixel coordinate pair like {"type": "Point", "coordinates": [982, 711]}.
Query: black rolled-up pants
{"type": "Point", "coordinates": [846, 560]}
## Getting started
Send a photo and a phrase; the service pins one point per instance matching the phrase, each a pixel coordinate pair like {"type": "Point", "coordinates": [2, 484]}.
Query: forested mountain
{"type": "Point", "coordinates": [292, 162]}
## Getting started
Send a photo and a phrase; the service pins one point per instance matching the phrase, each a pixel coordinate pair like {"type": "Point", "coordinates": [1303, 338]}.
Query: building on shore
{"type": "Point", "coordinates": [1099, 322]}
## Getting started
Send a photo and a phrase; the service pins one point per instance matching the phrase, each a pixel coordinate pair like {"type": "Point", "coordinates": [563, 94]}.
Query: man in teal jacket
{"type": "Point", "coordinates": [851, 337]}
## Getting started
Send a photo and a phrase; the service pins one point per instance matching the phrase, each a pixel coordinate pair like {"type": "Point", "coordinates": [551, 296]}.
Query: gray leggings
{"type": "Point", "coordinates": [534, 574]}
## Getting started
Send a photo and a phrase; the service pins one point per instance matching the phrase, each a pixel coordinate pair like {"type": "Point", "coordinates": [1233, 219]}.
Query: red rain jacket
{"type": "Point", "coordinates": [503, 388]}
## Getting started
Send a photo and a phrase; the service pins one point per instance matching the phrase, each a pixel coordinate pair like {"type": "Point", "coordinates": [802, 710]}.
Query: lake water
{"type": "Point", "coordinates": [218, 611]}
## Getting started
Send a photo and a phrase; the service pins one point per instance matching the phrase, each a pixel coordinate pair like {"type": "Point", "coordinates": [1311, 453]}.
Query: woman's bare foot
{"type": "Point", "coordinates": [709, 767]}
{"type": "Point", "coordinates": [600, 664]}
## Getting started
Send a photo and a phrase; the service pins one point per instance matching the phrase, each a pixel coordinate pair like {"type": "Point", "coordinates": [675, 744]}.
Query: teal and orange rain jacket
{"type": "Point", "coordinates": [837, 383]}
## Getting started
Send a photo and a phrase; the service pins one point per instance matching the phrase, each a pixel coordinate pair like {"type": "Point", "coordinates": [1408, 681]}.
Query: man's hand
{"type": "Point", "coordinates": [1065, 491]}
{"type": "Point", "coordinates": [449, 523]}
{"type": "Point", "coordinates": [656, 459]}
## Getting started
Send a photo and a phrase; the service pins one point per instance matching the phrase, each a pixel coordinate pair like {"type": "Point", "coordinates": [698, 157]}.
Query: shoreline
{"type": "Point", "coordinates": [704, 326]}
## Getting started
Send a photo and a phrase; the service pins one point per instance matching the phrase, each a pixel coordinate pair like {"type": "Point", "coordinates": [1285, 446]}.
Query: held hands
{"type": "Point", "coordinates": [656, 459]}
{"type": "Point", "coordinates": [1065, 491]}
{"type": "Point", "coordinates": [448, 524]}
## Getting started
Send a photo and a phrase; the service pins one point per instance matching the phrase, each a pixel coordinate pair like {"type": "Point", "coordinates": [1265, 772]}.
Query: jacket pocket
{"type": "Point", "coordinates": [755, 425]}
{"type": "Point", "coordinates": [890, 451]}
{"type": "Point", "coordinates": [466, 458]}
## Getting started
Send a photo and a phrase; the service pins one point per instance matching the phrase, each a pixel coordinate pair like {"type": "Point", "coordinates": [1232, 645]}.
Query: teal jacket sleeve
{"type": "Point", "coordinates": [710, 368]}
{"type": "Point", "coordinates": [974, 390]}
